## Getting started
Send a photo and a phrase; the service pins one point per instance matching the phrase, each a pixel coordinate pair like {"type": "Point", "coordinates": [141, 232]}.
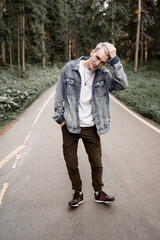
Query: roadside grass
{"type": "Point", "coordinates": [143, 93]}
{"type": "Point", "coordinates": [16, 94]}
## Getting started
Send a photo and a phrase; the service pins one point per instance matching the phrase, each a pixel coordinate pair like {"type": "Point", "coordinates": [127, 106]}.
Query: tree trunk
{"type": "Point", "coordinates": [128, 55]}
{"type": "Point", "coordinates": [3, 53]}
{"type": "Point", "coordinates": [146, 50]}
{"type": "Point", "coordinates": [18, 42]}
{"type": "Point", "coordinates": [137, 37]}
{"type": "Point", "coordinates": [43, 46]}
{"type": "Point", "coordinates": [10, 55]}
{"type": "Point", "coordinates": [142, 48]}
{"type": "Point", "coordinates": [112, 23]}
{"type": "Point", "coordinates": [52, 58]}
{"type": "Point", "coordinates": [70, 50]}
{"type": "Point", "coordinates": [23, 40]}
{"type": "Point", "coordinates": [67, 35]}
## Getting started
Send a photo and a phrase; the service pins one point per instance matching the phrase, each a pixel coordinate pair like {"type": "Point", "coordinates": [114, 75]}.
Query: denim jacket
{"type": "Point", "coordinates": [68, 94]}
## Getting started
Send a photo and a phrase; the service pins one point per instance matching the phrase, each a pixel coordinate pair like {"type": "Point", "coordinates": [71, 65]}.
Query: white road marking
{"type": "Point", "coordinates": [5, 186]}
{"type": "Point", "coordinates": [42, 109]}
{"type": "Point", "coordinates": [11, 155]}
{"type": "Point", "coordinates": [27, 137]}
{"type": "Point", "coordinates": [21, 147]}
{"type": "Point", "coordinates": [16, 161]}
{"type": "Point", "coordinates": [135, 115]}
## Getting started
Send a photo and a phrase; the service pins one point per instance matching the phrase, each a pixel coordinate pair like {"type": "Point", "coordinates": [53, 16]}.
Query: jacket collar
{"type": "Point", "coordinates": [77, 62]}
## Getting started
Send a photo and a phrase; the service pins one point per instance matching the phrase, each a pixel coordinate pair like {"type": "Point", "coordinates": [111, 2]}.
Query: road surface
{"type": "Point", "coordinates": [35, 188]}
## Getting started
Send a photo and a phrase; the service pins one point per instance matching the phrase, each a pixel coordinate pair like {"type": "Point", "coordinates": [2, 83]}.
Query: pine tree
{"type": "Point", "coordinates": [137, 36]}
{"type": "Point", "coordinates": [56, 30]}
{"type": "Point", "coordinates": [51, 30]}
{"type": "Point", "coordinates": [2, 32]}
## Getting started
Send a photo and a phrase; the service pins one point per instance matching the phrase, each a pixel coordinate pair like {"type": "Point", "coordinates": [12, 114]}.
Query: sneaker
{"type": "Point", "coordinates": [77, 199]}
{"type": "Point", "coordinates": [102, 197]}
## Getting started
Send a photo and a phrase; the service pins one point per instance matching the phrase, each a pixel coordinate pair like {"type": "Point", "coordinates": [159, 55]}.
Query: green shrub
{"type": "Point", "coordinates": [16, 94]}
{"type": "Point", "coordinates": [143, 93]}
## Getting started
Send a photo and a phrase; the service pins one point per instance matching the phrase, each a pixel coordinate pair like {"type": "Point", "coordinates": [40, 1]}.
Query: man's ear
{"type": "Point", "coordinates": [92, 52]}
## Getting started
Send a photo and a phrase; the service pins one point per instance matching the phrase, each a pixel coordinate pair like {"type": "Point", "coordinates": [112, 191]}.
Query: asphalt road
{"type": "Point", "coordinates": [35, 188]}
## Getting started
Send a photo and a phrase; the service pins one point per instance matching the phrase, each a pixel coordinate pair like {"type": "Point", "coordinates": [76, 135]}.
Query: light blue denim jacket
{"type": "Point", "coordinates": [68, 94]}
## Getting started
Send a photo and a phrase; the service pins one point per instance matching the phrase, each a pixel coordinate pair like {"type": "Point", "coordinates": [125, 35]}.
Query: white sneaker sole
{"type": "Point", "coordinates": [105, 202]}
{"type": "Point", "coordinates": [76, 205]}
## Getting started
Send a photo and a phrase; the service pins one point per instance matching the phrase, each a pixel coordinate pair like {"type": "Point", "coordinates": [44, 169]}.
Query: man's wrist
{"type": "Point", "coordinates": [114, 60]}
{"type": "Point", "coordinates": [63, 123]}
{"type": "Point", "coordinates": [112, 55]}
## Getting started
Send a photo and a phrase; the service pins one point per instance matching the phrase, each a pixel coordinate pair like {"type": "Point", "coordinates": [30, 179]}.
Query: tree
{"type": "Point", "coordinates": [137, 36]}
{"type": "Point", "coordinates": [56, 30]}
{"type": "Point", "coordinates": [2, 30]}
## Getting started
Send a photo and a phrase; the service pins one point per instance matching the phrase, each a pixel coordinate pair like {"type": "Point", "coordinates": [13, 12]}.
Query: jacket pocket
{"type": "Point", "coordinates": [70, 86]}
{"type": "Point", "coordinates": [100, 90]}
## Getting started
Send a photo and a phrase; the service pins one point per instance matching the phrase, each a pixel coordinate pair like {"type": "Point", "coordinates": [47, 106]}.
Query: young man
{"type": "Point", "coordinates": [82, 110]}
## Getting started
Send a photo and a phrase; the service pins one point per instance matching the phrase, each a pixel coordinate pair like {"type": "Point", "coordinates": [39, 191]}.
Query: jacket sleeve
{"type": "Point", "coordinates": [59, 99]}
{"type": "Point", "coordinates": [117, 75]}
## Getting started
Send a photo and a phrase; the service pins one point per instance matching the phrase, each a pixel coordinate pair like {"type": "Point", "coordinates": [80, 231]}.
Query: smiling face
{"type": "Point", "coordinates": [98, 59]}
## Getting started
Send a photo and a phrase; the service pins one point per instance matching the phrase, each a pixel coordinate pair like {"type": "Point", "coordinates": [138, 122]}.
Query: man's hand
{"type": "Point", "coordinates": [62, 123]}
{"type": "Point", "coordinates": [111, 49]}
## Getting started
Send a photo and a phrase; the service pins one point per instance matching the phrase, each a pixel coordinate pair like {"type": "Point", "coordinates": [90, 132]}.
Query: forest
{"type": "Point", "coordinates": [50, 32]}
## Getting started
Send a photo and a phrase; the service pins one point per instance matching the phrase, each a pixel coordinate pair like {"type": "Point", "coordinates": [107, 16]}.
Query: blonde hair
{"type": "Point", "coordinates": [102, 46]}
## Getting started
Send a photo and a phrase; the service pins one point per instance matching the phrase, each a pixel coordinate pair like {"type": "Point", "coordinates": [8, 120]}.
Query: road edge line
{"type": "Point", "coordinates": [135, 115]}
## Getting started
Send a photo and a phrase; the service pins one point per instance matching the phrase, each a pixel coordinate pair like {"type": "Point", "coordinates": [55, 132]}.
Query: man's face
{"type": "Point", "coordinates": [98, 59]}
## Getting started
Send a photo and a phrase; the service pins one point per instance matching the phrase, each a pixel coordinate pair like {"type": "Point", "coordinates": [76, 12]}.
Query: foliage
{"type": "Point", "coordinates": [56, 30]}
{"type": "Point", "coordinates": [16, 94]}
{"type": "Point", "coordinates": [143, 93]}
{"type": "Point", "coordinates": [79, 25]}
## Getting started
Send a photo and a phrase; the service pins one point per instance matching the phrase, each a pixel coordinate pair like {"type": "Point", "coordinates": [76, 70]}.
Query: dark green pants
{"type": "Point", "coordinates": [92, 144]}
